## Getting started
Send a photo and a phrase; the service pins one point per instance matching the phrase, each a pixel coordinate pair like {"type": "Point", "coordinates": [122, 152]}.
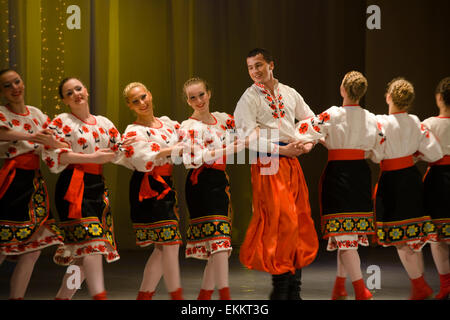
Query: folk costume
{"type": "Point", "coordinates": [207, 186]}
{"type": "Point", "coordinates": [153, 201]}
{"type": "Point", "coordinates": [351, 135]}
{"type": "Point", "coordinates": [281, 237]}
{"type": "Point", "coordinates": [26, 223]}
{"type": "Point", "coordinates": [399, 202]}
{"type": "Point", "coordinates": [81, 196]}
{"type": "Point", "coordinates": [437, 189]}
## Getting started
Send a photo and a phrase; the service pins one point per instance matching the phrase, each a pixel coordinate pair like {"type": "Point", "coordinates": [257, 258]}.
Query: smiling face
{"type": "Point", "coordinates": [74, 93]}
{"type": "Point", "coordinates": [259, 69]}
{"type": "Point", "coordinates": [197, 96]}
{"type": "Point", "coordinates": [140, 101]}
{"type": "Point", "coordinates": [12, 87]}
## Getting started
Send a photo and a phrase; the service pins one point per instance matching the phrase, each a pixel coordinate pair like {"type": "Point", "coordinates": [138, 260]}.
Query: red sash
{"type": "Point", "coordinates": [74, 193]}
{"type": "Point", "coordinates": [146, 191]}
{"type": "Point", "coordinates": [396, 163]}
{"type": "Point", "coordinates": [27, 161]}
{"type": "Point", "coordinates": [196, 172]}
{"type": "Point", "coordinates": [345, 154]}
{"type": "Point", "coordinates": [445, 161]}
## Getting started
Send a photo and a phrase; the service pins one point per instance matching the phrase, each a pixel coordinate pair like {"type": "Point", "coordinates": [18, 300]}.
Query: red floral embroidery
{"type": "Point", "coordinates": [129, 151]}
{"type": "Point", "coordinates": [131, 134]}
{"type": "Point", "coordinates": [2, 117]}
{"type": "Point", "coordinates": [170, 131]}
{"type": "Point", "coordinates": [155, 147]}
{"type": "Point", "coordinates": [177, 126]}
{"type": "Point", "coordinates": [49, 161]}
{"type": "Point", "coordinates": [57, 122]}
{"type": "Point", "coordinates": [66, 130]}
{"type": "Point", "coordinates": [316, 128]}
{"type": "Point", "coordinates": [223, 127]}
{"type": "Point", "coordinates": [95, 135]}
{"type": "Point", "coordinates": [324, 117]}
{"type": "Point", "coordinates": [303, 128]}
{"type": "Point", "coordinates": [230, 124]}
{"type": "Point", "coordinates": [85, 129]}
{"type": "Point", "coordinates": [35, 121]}
{"type": "Point", "coordinates": [115, 148]}
{"type": "Point", "coordinates": [27, 126]}
{"type": "Point", "coordinates": [113, 132]}
{"type": "Point", "coordinates": [149, 165]}
{"type": "Point", "coordinates": [102, 131]}
{"type": "Point", "coordinates": [15, 122]}
{"type": "Point", "coordinates": [163, 137]}
{"type": "Point", "coordinates": [81, 141]}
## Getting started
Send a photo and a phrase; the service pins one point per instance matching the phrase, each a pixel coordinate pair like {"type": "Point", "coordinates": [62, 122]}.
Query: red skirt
{"type": "Point", "coordinates": [281, 236]}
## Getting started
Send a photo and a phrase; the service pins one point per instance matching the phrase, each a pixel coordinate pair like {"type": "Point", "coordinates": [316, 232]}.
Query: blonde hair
{"type": "Point", "coordinates": [402, 92]}
{"type": "Point", "coordinates": [355, 84]}
{"type": "Point", "coordinates": [131, 86]}
{"type": "Point", "coordinates": [194, 80]}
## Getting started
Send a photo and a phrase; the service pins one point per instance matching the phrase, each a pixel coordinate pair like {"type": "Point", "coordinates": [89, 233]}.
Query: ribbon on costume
{"type": "Point", "coordinates": [27, 161]}
{"type": "Point", "coordinates": [146, 191]}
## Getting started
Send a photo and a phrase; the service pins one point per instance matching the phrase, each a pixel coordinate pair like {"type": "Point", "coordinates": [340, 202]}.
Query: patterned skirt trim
{"type": "Point", "coordinates": [347, 242]}
{"type": "Point", "coordinates": [38, 232]}
{"type": "Point", "coordinates": [87, 236]}
{"type": "Point", "coordinates": [354, 223]}
{"type": "Point", "coordinates": [208, 235]}
{"type": "Point", "coordinates": [163, 232]}
{"type": "Point", "coordinates": [415, 232]}
{"type": "Point", "coordinates": [442, 229]}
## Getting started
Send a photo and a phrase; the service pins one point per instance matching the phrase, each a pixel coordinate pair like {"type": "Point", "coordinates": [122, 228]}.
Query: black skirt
{"type": "Point", "coordinates": [93, 233]}
{"type": "Point", "coordinates": [154, 221]}
{"type": "Point", "coordinates": [25, 213]}
{"type": "Point", "coordinates": [346, 198]}
{"type": "Point", "coordinates": [437, 203]}
{"type": "Point", "coordinates": [400, 211]}
{"type": "Point", "coordinates": [209, 207]}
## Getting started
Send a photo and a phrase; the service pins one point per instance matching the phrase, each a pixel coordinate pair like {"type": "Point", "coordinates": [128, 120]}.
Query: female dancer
{"type": "Point", "coordinates": [207, 187]}
{"type": "Point", "coordinates": [152, 200]}
{"type": "Point", "coordinates": [437, 187]}
{"type": "Point", "coordinates": [26, 225]}
{"type": "Point", "coordinates": [81, 197]}
{"type": "Point", "coordinates": [400, 215]}
{"type": "Point", "coordinates": [351, 134]}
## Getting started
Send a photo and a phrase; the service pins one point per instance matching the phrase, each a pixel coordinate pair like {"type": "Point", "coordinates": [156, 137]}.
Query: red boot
{"type": "Point", "coordinates": [361, 292]}
{"type": "Point", "coordinates": [145, 295]}
{"type": "Point", "coordinates": [420, 289]}
{"type": "Point", "coordinates": [205, 294]}
{"type": "Point", "coordinates": [224, 293]}
{"type": "Point", "coordinates": [177, 294]}
{"type": "Point", "coordinates": [100, 296]}
{"type": "Point", "coordinates": [444, 291]}
{"type": "Point", "coordinates": [339, 292]}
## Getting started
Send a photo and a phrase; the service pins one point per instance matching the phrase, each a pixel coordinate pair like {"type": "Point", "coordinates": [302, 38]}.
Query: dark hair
{"type": "Point", "coordinates": [265, 53]}
{"type": "Point", "coordinates": [444, 89]}
{"type": "Point", "coordinates": [2, 72]}
{"type": "Point", "coordinates": [61, 85]}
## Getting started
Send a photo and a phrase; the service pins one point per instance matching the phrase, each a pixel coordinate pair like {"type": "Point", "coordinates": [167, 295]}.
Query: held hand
{"type": "Point", "coordinates": [306, 147]}
{"type": "Point", "coordinates": [102, 156]}
{"type": "Point", "coordinates": [46, 138]}
{"type": "Point", "coordinates": [292, 150]}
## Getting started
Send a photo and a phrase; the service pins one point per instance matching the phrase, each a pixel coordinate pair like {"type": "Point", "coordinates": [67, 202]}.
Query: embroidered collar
{"type": "Point", "coordinates": [276, 103]}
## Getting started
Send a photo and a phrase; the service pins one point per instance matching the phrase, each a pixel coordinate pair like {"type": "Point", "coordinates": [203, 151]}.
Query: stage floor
{"type": "Point", "coordinates": [123, 277]}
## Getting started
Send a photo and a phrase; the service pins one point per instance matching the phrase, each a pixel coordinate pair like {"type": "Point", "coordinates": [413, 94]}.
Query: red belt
{"type": "Point", "coordinates": [445, 161]}
{"type": "Point", "coordinates": [27, 161]}
{"type": "Point", "coordinates": [196, 172]}
{"type": "Point", "coordinates": [396, 163]}
{"type": "Point", "coordinates": [146, 191]}
{"type": "Point", "coordinates": [345, 154]}
{"type": "Point", "coordinates": [74, 193]}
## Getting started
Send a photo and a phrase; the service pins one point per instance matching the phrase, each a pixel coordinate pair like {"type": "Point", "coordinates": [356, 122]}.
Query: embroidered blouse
{"type": "Point", "coordinates": [30, 122]}
{"type": "Point", "coordinates": [347, 127]}
{"type": "Point", "coordinates": [200, 137]}
{"type": "Point", "coordinates": [258, 108]}
{"type": "Point", "coordinates": [141, 154]}
{"type": "Point", "coordinates": [440, 127]}
{"type": "Point", "coordinates": [82, 137]}
{"type": "Point", "coordinates": [405, 136]}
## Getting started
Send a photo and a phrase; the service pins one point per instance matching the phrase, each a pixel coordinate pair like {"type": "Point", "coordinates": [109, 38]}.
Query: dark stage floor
{"type": "Point", "coordinates": [123, 277]}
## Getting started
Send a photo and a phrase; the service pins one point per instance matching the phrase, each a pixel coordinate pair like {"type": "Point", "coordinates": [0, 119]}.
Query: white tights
{"type": "Point", "coordinates": [216, 271]}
